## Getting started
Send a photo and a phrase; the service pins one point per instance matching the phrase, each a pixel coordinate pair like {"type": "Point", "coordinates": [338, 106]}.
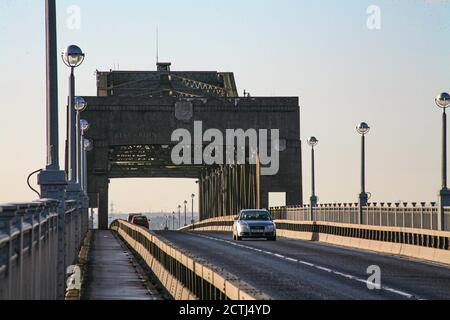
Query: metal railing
{"type": "Point", "coordinates": [29, 247]}
{"type": "Point", "coordinates": [403, 215]}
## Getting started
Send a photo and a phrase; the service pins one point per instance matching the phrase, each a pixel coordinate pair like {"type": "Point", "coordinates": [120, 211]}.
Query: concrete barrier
{"type": "Point", "coordinates": [429, 245]}
{"type": "Point", "coordinates": [185, 277]}
{"type": "Point", "coordinates": [75, 294]}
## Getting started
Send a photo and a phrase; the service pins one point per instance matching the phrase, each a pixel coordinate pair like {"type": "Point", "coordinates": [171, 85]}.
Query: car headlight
{"type": "Point", "coordinates": [270, 228]}
{"type": "Point", "coordinates": [243, 227]}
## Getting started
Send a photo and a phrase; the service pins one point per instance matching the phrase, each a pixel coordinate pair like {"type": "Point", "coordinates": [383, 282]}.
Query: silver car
{"type": "Point", "coordinates": [254, 224]}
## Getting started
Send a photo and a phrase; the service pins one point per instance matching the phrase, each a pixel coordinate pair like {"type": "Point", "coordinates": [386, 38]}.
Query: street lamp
{"type": "Point", "coordinates": [179, 216]}
{"type": "Point", "coordinates": [81, 129]}
{"type": "Point", "coordinates": [363, 129]}
{"type": "Point", "coordinates": [73, 57]}
{"type": "Point", "coordinates": [192, 220]}
{"type": "Point", "coordinates": [313, 143]}
{"type": "Point", "coordinates": [80, 106]}
{"type": "Point", "coordinates": [443, 102]}
{"type": "Point", "coordinates": [173, 220]}
{"type": "Point", "coordinates": [84, 127]}
{"type": "Point", "coordinates": [185, 213]}
{"type": "Point", "coordinates": [87, 147]}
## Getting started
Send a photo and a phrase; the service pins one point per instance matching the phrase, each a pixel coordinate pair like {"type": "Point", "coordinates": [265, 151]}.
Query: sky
{"type": "Point", "coordinates": [321, 51]}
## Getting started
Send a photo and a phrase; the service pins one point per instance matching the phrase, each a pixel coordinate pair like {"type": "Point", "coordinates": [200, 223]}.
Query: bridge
{"type": "Point", "coordinates": [49, 249]}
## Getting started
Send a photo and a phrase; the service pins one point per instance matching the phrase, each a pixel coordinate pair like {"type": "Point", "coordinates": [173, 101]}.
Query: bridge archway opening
{"type": "Point", "coordinates": [154, 197]}
{"type": "Point", "coordinates": [221, 189]}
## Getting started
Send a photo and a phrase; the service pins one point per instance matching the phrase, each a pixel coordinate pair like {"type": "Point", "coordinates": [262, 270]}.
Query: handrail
{"type": "Point", "coordinates": [29, 247]}
{"type": "Point", "coordinates": [404, 215]}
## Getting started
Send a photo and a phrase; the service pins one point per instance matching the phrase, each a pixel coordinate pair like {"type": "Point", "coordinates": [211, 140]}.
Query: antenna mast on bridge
{"type": "Point", "coordinates": [157, 44]}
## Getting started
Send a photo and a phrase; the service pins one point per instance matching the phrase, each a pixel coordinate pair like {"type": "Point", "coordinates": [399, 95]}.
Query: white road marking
{"type": "Point", "coordinates": [347, 276]}
{"type": "Point", "coordinates": [306, 263]}
{"type": "Point", "coordinates": [291, 259]}
{"type": "Point", "coordinates": [325, 269]}
{"type": "Point", "coordinates": [409, 296]}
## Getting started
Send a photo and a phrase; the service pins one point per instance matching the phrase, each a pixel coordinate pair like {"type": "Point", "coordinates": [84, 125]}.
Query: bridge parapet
{"type": "Point", "coordinates": [29, 247]}
{"type": "Point", "coordinates": [404, 215]}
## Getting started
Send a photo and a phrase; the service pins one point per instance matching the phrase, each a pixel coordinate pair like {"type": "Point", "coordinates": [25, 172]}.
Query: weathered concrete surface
{"type": "Point", "coordinates": [111, 274]}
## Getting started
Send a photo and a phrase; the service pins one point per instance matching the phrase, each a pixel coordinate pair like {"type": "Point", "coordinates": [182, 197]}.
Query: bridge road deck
{"type": "Point", "coordinates": [302, 270]}
{"type": "Point", "coordinates": [111, 274]}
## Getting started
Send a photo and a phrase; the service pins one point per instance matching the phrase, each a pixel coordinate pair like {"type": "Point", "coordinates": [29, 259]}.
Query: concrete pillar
{"type": "Point", "coordinates": [103, 205]}
{"type": "Point", "coordinates": [226, 186]}
{"type": "Point", "coordinates": [200, 198]}
{"type": "Point", "coordinates": [444, 201]}
{"type": "Point", "coordinates": [264, 193]}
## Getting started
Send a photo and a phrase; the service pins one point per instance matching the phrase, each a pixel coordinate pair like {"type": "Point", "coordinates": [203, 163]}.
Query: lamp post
{"type": "Point", "coordinates": [173, 220]}
{"type": "Point", "coordinates": [363, 129]}
{"type": "Point", "coordinates": [179, 216]}
{"type": "Point", "coordinates": [313, 143]}
{"type": "Point", "coordinates": [72, 57]}
{"type": "Point", "coordinates": [84, 146]}
{"type": "Point", "coordinates": [443, 102]}
{"type": "Point", "coordinates": [81, 129]}
{"type": "Point", "coordinates": [84, 127]}
{"type": "Point", "coordinates": [192, 220]}
{"type": "Point", "coordinates": [87, 147]}
{"type": "Point", "coordinates": [185, 213]}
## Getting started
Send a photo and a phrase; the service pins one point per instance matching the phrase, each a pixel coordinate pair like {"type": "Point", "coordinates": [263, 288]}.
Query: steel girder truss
{"type": "Point", "coordinates": [147, 161]}
{"type": "Point", "coordinates": [206, 87]}
{"type": "Point", "coordinates": [200, 88]}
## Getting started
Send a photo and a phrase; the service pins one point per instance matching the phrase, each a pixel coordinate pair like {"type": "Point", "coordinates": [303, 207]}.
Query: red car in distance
{"type": "Point", "coordinates": [132, 215]}
{"type": "Point", "coordinates": [142, 221]}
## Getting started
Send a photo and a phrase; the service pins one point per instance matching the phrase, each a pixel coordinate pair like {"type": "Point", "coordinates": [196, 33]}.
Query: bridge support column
{"type": "Point", "coordinates": [103, 205]}
{"type": "Point", "coordinates": [288, 180]}
{"type": "Point", "coordinates": [52, 180]}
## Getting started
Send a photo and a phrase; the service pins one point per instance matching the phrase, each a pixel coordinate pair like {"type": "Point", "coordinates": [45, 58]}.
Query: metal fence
{"type": "Point", "coordinates": [29, 247]}
{"type": "Point", "coordinates": [405, 215]}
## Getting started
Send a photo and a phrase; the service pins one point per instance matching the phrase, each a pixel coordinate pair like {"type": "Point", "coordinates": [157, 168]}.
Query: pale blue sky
{"type": "Point", "coordinates": [320, 51]}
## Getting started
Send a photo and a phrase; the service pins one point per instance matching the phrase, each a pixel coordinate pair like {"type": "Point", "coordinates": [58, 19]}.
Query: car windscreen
{"type": "Point", "coordinates": [255, 215]}
{"type": "Point", "coordinates": [140, 219]}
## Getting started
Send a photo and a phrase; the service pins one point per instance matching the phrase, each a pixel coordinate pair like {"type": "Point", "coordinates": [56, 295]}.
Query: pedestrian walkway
{"type": "Point", "coordinates": [112, 272]}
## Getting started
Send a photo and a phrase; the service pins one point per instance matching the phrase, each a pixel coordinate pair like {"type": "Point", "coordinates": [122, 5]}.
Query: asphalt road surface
{"type": "Point", "coordinates": [301, 270]}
